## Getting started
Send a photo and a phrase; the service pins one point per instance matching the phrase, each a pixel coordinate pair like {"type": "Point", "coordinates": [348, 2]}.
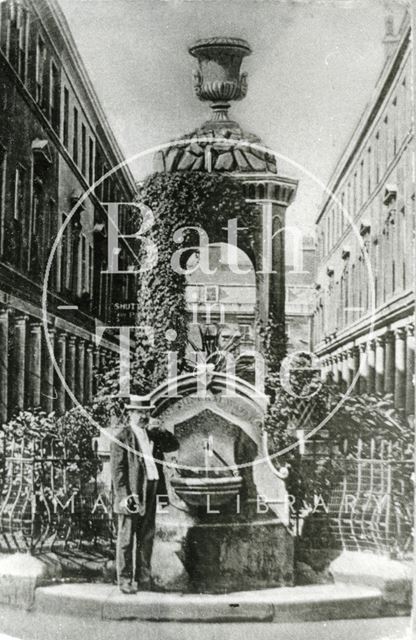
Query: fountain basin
{"type": "Point", "coordinates": [195, 491]}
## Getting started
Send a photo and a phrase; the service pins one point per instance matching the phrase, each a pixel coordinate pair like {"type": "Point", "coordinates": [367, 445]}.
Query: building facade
{"type": "Point", "coordinates": [300, 295]}
{"type": "Point", "coordinates": [223, 302]}
{"type": "Point", "coordinates": [55, 142]}
{"type": "Point", "coordinates": [363, 321]}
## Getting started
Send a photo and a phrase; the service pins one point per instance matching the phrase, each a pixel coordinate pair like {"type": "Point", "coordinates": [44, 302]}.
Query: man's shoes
{"type": "Point", "coordinates": [145, 584]}
{"type": "Point", "coordinates": [128, 588]}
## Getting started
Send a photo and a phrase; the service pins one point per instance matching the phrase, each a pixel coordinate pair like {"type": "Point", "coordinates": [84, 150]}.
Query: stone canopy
{"type": "Point", "coordinates": [216, 146]}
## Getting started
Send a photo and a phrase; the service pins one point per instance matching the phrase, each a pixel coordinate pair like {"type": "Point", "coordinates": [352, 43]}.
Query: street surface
{"type": "Point", "coordinates": [42, 626]}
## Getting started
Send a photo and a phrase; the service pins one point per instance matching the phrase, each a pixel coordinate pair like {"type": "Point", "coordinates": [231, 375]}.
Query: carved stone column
{"type": "Point", "coordinates": [334, 365]}
{"type": "Point", "coordinates": [389, 363]}
{"type": "Point", "coordinates": [48, 388]}
{"type": "Point", "coordinates": [353, 367]}
{"type": "Point", "coordinates": [70, 369]}
{"type": "Point", "coordinates": [103, 359]}
{"type": "Point", "coordinates": [400, 369]}
{"type": "Point", "coordinates": [60, 356]}
{"type": "Point", "coordinates": [380, 364]}
{"type": "Point", "coordinates": [80, 370]}
{"type": "Point", "coordinates": [327, 369]}
{"type": "Point", "coordinates": [337, 369]}
{"type": "Point", "coordinates": [345, 370]}
{"type": "Point", "coordinates": [4, 363]}
{"type": "Point", "coordinates": [34, 365]}
{"type": "Point", "coordinates": [410, 370]}
{"type": "Point", "coordinates": [17, 390]}
{"type": "Point", "coordinates": [96, 368]}
{"type": "Point", "coordinates": [371, 375]}
{"type": "Point", "coordinates": [330, 373]}
{"type": "Point", "coordinates": [88, 382]}
{"type": "Point", "coordinates": [362, 387]}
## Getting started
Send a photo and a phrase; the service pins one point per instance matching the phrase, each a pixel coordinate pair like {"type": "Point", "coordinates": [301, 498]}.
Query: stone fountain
{"type": "Point", "coordinates": [226, 527]}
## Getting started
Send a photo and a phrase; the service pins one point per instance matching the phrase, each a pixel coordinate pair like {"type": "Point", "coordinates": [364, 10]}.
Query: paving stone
{"type": "Point", "coordinates": [393, 578]}
{"type": "Point", "coordinates": [20, 573]}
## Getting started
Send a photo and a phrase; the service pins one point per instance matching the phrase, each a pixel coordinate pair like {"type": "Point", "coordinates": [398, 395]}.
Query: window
{"type": "Point", "coordinates": [54, 97]}
{"type": "Point", "coordinates": [403, 248]}
{"type": "Point", "coordinates": [40, 71]}
{"type": "Point", "coordinates": [386, 142]}
{"type": "Point", "coordinates": [75, 264]}
{"type": "Point", "coordinates": [368, 171]}
{"type": "Point", "coordinates": [245, 332]}
{"type": "Point", "coordinates": [65, 253]}
{"type": "Point", "coordinates": [36, 212]}
{"type": "Point", "coordinates": [3, 162]}
{"type": "Point", "coordinates": [91, 269]}
{"type": "Point", "coordinates": [83, 149]}
{"type": "Point", "coordinates": [91, 162]}
{"type": "Point", "coordinates": [75, 137]}
{"type": "Point", "coordinates": [106, 185]}
{"type": "Point", "coordinates": [361, 198]}
{"type": "Point", "coordinates": [36, 223]}
{"type": "Point", "coordinates": [6, 10]}
{"type": "Point", "coordinates": [103, 292]}
{"type": "Point", "coordinates": [84, 266]}
{"type": "Point", "coordinates": [66, 118]}
{"type": "Point", "coordinates": [347, 212]}
{"type": "Point", "coordinates": [354, 195]}
{"type": "Point", "coordinates": [19, 193]}
{"type": "Point", "coordinates": [346, 295]}
{"type": "Point", "coordinates": [21, 40]}
{"type": "Point", "coordinates": [51, 220]}
{"type": "Point", "coordinates": [405, 114]}
{"type": "Point", "coordinates": [377, 157]}
{"type": "Point", "coordinates": [395, 125]}
{"type": "Point", "coordinates": [327, 234]}
{"type": "Point", "coordinates": [211, 293]}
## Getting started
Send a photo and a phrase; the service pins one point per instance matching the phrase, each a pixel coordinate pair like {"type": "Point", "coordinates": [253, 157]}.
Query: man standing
{"type": "Point", "coordinates": [137, 481]}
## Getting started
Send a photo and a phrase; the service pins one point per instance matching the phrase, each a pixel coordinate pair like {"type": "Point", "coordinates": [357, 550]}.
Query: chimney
{"type": "Point", "coordinates": [390, 39]}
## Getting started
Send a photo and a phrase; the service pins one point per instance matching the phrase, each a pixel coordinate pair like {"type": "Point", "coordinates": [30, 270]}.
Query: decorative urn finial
{"type": "Point", "coordinates": [218, 79]}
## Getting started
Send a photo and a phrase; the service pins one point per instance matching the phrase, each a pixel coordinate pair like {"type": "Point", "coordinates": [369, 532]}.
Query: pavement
{"type": "Point", "coordinates": [287, 604]}
{"type": "Point", "coordinates": [36, 625]}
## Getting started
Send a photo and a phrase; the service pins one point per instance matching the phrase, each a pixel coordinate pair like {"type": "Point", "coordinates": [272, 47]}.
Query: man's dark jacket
{"type": "Point", "coordinates": [128, 470]}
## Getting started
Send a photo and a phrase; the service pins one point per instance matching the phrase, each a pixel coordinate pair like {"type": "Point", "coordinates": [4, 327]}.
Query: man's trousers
{"type": "Point", "coordinates": [135, 537]}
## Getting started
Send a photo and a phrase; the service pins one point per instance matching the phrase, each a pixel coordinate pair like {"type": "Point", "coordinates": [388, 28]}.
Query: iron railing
{"type": "Point", "coordinates": [51, 498]}
{"type": "Point", "coordinates": [360, 495]}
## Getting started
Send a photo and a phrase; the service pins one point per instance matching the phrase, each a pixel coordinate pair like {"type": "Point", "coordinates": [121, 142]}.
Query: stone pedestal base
{"type": "Point", "coordinates": [220, 557]}
{"type": "Point", "coordinates": [239, 557]}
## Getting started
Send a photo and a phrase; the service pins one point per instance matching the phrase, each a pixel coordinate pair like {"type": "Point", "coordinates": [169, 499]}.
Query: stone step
{"type": "Point", "coordinates": [286, 604]}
